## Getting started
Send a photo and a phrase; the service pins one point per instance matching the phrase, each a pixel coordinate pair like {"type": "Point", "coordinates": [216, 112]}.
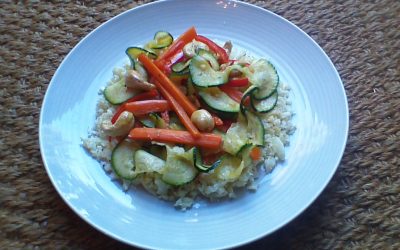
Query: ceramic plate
{"type": "Point", "coordinates": [139, 219]}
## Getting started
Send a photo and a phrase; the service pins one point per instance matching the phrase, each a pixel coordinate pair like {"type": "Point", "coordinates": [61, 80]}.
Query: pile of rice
{"type": "Point", "coordinates": [278, 128]}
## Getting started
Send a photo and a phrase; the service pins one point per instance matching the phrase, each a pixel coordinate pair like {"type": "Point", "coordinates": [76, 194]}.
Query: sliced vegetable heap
{"type": "Point", "coordinates": [184, 107]}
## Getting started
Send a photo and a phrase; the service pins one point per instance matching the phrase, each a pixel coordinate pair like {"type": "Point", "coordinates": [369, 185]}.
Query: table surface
{"type": "Point", "coordinates": [359, 208]}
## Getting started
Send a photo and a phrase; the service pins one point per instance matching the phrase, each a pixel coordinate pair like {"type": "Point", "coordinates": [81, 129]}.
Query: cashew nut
{"type": "Point", "coordinates": [190, 49]}
{"type": "Point", "coordinates": [134, 80]}
{"type": "Point", "coordinates": [203, 120]}
{"type": "Point", "coordinates": [122, 126]}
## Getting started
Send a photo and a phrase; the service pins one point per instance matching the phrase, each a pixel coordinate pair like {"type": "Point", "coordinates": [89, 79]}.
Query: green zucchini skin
{"type": "Point", "coordinates": [203, 75]}
{"type": "Point", "coordinates": [179, 167]}
{"type": "Point", "coordinates": [118, 93]}
{"type": "Point", "coordinates": [162, 39]}
{"type": "Point", "coordinates": [260, 106]}
{"type": "Point", "coordinates": [198, 162]}
{"type": "Point", "coordinates": [122, 160]}
{"type": "Point", "coordinates": [265, 105]}
{"type": "Point", "coordinates": [265, 77]}
{"type": "Point", "coordinates": [219, 102]}
{"type": "Point", "coordinates": [134, 52]}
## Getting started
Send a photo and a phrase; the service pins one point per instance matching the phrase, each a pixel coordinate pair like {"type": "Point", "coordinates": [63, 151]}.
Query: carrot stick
{"type": "Point", "coordinates": [169, 86]}
{"type": "Point", "coordinates": [205, 140]}
{"type": "Point", "coordinates": [147, 106]}
{"type": "Point", "coordinates": [143, 96]}
{"type": "Point", "coordinates": [256, 154]}
{"type": "Point", "coordinates": [180, 112]}
{"type": "Point", "coordinates": [176, 46]}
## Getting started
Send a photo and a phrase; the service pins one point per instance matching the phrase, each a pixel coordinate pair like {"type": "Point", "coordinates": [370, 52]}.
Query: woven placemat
{"type": "Point", "coordinates": [360, 208]}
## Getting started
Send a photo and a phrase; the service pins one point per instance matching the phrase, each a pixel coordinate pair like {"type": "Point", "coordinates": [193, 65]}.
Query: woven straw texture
{"type": "Point", "coordinates": [360, 208]}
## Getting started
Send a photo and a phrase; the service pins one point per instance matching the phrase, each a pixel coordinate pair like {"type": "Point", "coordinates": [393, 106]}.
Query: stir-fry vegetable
{"type": "Point", "coordinates": [176, 47]}
{"type": "Point", "coordinates": [144, 96]}
{"type": "Point", "coordinates": [147, 106]}
{"type": "Point", "coordinates": [190, 96]}
{"type": "Point", "coordinates": [221, 52]}
{"type": "Point", "coordinates": [165, 82]}
{"type": "Point", "coordinates": [205, 140]}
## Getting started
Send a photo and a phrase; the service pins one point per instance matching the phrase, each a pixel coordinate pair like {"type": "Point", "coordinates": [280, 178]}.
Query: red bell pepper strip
{"type": "Point", "coordinates": [224, 127]}
{"type": "Point", "coordinates": [152, 94]}
{"type": "Point", "coordinates": [238, 82]}
{"type": "Point", "coordinates": [234, 61]}
{"type": "Point", "coordinates": [221, 52]}
{"type": "Point", "coordinates": [233, 93]}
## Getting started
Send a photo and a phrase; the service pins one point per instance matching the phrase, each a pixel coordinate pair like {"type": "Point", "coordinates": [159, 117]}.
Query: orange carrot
{"type": "Point", "coordinates": [176, 47]}
{"type": "Point", "coordinates": [180, 112]}
{"type": "Point", "coordinates": [205, 140]}
{"type": "Point", "coordinates": [256, 154]}
{"type": "Point", "coordinates": [143, 96]}
{"type": "Point", "coordinates": [147, 106]}
{"type": "Point", "coordinates": [169, 86]}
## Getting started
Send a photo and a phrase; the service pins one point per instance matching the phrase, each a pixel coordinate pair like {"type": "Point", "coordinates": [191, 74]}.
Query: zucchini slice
{"type": "Point", "coordinates": [265, 77]}
{"type": "Point", "coordinates": [203, 75]}
{"type": "Point", "coordinates": [265, 105]}
{"type": "Point", "coordinates": [122, 159]}
{"type": "Point", "coordinates": [179, 167]}
{"type": "Point", "coordinates": [134, 52]}
{"type": "Point", "coordinates": [153, 121]}
{"type": "Point", "coordinates": [117, 93]}
{"type": "Point", "coordinates": [230, 168]}
{"type": "Point", "coordinates": [255, 129]}
{"type": "Point", "coordinates": [158, 151]}
{"type": "Point", "coordinates": [147, 122]}
{"type": "Point", "coordinates": [236, 137]}
{"type": "Point", "coordinates": [181, 67]}
{"type": "Point", "coordinates": [161, 40]}
{"type": "Point", "coordinates": [198, 162]}
{"type": "Point", "coordinates": [210, 58]}
{"type": "Point", "coordinates": [245, 154]}
{"type": "Point", "coordinates": [158, 121]}
{"type": "Point", "coordinates": [175, 123]}
{"type": "Point", "coordinates": [246, 94]}
{"type": "Point", "coordinates": [220, 102]}
{"type": "Point", "coordinates": [146, 162]}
